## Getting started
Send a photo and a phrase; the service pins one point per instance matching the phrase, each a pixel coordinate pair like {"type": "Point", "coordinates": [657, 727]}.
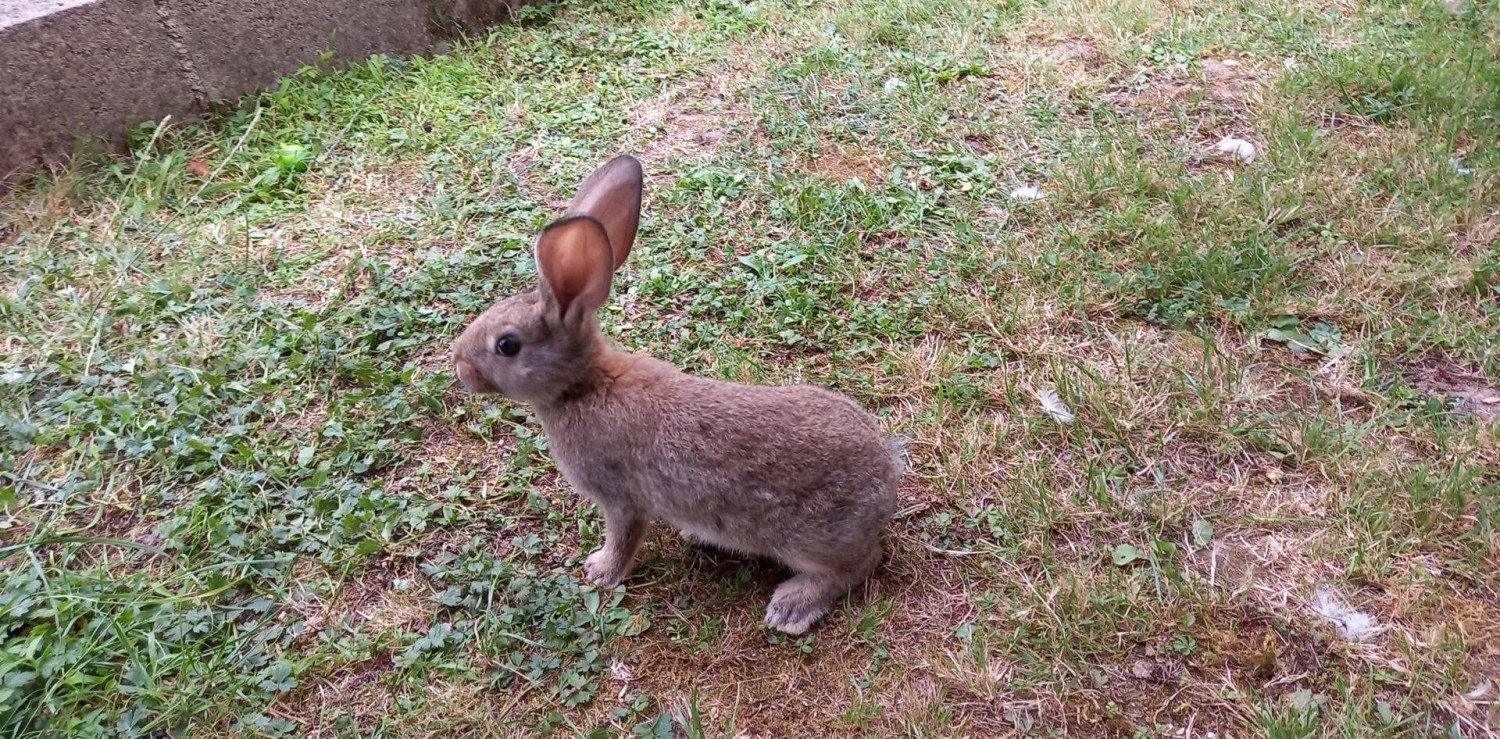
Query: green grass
{"type": "Point", "coordinates": [239, 493]}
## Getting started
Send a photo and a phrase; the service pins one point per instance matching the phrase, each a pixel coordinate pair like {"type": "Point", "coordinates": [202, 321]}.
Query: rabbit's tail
{"type": "Point", "coordinates": [898, 450]}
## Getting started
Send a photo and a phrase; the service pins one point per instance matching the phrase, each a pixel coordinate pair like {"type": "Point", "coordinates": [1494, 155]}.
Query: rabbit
{"type": "Point", "coordinates": [799, 474]}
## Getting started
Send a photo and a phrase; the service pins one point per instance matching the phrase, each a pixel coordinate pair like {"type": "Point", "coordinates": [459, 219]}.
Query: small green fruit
{"type": "Point", "coordinates": [293, 158]}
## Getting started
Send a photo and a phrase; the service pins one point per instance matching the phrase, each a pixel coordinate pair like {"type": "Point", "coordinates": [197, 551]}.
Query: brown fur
{"type": "Point", "coordinates": [800, 474]}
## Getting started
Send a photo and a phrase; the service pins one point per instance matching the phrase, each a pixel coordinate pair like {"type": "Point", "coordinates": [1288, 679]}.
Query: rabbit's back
{"type": "Point", "coordinates": [761, 469]}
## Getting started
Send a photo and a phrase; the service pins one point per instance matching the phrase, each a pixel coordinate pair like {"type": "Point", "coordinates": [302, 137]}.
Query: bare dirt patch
{"type": "Point", "coordinates": [1072, 65]}
{"type": "Point", "coordinates": [1477, 236]}
{"type": "Point", "coordinates": [1472, 394]}
{"type": "Point", "coordinates": [842, 165]}
{"type": "Point", "coordinates": [1228, 80]}
{"type": "Point", "coordinates": [1477, 709]}
{"type": "Point", "coordinates": [1083, 52]}
{"type": "Point", "coordinates": [689, 134]}
{"type": "Point", "coordinates": [1220, 98]}
{"type": "Point", "coordinates": [686, 122]}
{"type": "Point", "coordinates": [842, 676]}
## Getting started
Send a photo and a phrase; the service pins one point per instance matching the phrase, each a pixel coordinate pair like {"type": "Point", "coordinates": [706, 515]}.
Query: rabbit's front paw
{"type": "Point", "coordinates": [798, 603]}
{"type": "Point", "coordinates": [603, 568]}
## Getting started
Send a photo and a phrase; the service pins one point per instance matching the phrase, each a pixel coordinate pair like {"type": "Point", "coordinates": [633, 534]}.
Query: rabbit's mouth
{"type": "Point", "coordinates": [472, 380]}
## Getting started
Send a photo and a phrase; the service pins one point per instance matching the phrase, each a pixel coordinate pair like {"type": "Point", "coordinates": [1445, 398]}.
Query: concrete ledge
{"type": "Point", "coordinates": [240, 47]}
{"type": "Point", "coordinates": [77, 71]}
{"type": "Point", "coordinates": [86, 69]}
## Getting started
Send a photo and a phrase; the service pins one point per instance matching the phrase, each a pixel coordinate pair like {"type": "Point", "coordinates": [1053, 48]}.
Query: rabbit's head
{"type": "Point", "coordinates": [538, 346]}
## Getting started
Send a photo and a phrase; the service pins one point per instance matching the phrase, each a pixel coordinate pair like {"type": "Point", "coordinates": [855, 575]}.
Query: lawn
{"type": "Point", "coordinates": [240, 493]}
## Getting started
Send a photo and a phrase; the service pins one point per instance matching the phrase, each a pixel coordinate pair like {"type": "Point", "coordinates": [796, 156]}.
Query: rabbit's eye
{"type": "Point", "coordinates": [507, 345]}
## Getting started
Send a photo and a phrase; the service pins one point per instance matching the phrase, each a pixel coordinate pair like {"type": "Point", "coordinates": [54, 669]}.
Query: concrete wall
{"type": "Point", "coordinates": [81, 72]}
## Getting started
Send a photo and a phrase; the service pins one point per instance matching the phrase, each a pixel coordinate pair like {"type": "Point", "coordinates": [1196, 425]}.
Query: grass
{"type": "Point", "coordinates": [241, 495]}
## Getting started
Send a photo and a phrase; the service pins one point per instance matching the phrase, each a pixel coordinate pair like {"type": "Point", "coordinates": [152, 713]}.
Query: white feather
{"type": "Point", "coordinates": [893, 84]}
{"type": "Point", "coordinates": [1027, 193]}
{"type": "Point", "coordinates": [622, 674]}
{"type": "Point", "coordinates": [1351, 624]}
{"type": "Point", "coordinates": [1238, 148]}
{"type": "Point", "coordinates": [1054, 406]}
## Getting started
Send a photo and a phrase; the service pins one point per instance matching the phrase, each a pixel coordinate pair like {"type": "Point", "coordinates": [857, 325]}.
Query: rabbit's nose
{"type": "Point", "coordinates": [469, 377]}
{"type": "Point", "coordinates": [465, 373]}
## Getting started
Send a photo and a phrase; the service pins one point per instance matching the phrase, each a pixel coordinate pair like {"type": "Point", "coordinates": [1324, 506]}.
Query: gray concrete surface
{"type": "Point", "coordinates": [77, 74]}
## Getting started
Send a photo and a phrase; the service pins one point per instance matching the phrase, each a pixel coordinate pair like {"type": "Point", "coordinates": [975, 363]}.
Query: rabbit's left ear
{"type": "Point", "coordinates": [612, 196]}
{"type": "Point", "coordinates": [574, 260]}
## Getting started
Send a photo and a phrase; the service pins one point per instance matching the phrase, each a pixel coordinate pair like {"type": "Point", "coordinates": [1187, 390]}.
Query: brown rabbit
{"type": "Point", "coordinates": [799, 474]}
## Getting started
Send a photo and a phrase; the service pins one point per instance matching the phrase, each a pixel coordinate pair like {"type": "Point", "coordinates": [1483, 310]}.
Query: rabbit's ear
{"type": "Point", "coordinates": [612, 196]}
{"type": "Point", "coordinates": [574, 260]}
